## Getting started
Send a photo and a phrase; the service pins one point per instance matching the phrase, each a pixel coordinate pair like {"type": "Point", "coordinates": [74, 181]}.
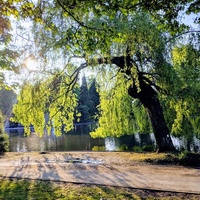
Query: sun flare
{"type": "Point", "coordinates": [31, 64]}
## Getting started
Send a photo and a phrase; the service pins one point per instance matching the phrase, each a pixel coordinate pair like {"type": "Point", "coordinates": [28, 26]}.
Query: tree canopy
{"type": "Point", "coordinates": [7, 55]}
{"type": "Point", "coordinates": [47, 104]}
{"type": "Point", "coordinates": [186, 93]}
{"type": "Point", "coordinates": [135, 42]}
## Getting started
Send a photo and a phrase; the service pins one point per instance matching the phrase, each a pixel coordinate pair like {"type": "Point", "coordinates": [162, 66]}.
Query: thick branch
{"type": "Point", "coordinates": [153, 84]}
{"type": "Point", "coordinates": [120, 61]}
{"type": "Point", "coordinates": [82, 66]}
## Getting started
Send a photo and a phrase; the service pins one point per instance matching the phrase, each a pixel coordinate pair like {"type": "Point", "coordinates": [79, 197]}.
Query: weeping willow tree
{"type": "Point", "coordinates": [120, 115]}
{"type": "Point", "coordinates": [47, 105]}
{"type": "Point", "coordinates": [183, 104]}
{"type": "Point", "coordinates": [125, 34]}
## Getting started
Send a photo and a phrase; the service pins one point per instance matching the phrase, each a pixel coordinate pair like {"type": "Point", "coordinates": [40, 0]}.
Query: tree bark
{"type": "Point", "coordinates": [149, 98]}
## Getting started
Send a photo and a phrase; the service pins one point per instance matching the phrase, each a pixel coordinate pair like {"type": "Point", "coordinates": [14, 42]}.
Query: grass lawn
{"type": "Point", "coordinates": [44, 190]}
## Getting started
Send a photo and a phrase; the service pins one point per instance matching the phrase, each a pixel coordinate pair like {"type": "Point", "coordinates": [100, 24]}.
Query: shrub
{"type": "Point", "coordinates": [4, 138]}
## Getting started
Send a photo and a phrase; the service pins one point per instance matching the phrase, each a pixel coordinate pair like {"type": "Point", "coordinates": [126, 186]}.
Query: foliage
{"type": "Point", "coordinates": [119, 115]}
{"type": "Point", "coordinates": [84, 114]}
{"type": "Point", "coordinates": [131, 35]}
{"type": "Point", "coordinates": [144, 148]}
{"type": "Point", "coordinates": [84, 98]}
{"type": "Point", "coordinates": [183, 106]}
{"type": "Point", "coordinates": [141, 118]}
{"type": "Point", "coordinates": [4, 139]}
{"type": "Point", "coordinates": [84, 102]}
{"type": "Point", "coordinates": [48, 104]}
{"type": "Point", "coordinates": [183, 158]}
{"type": "Point", "coordinates": [7, 54]}
{"type": "Point", "coordinates": [167, 13]}
{"type": "Point", "coordinates": [7, 100]}
{"type": "Point", "coordinates": [88, 100]}
{"type": "Point", "coordinates": [188, 106]}
{"type": "Point", "coordinates": [95, 100]}
{"type": "Point", "coordinates": [115, 109]}
{"type": "Point", "coordinates": [147, 45]}
{"type": "Point", "coordinates": [189, 159]}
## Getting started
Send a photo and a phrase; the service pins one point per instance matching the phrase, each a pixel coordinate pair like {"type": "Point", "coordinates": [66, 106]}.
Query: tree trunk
{"type": "Point", "coordinates": [149, 98]}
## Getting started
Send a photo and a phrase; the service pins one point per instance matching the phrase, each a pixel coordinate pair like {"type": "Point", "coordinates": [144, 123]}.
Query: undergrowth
{"type": "Point", "coordinates": [183, 158]}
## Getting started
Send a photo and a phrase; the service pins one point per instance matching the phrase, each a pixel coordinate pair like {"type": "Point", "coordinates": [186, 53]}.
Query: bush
{"type": "Point", "coordinates": [4, 143]}
{"type": "Point", "coordinates": [4, 138]}
{"type": "Point", "coordinates": [144, 148]}
{"type": "Point", "coordinates": [189, 159]}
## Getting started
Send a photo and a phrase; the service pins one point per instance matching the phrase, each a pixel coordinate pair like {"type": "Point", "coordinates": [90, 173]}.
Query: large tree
{"type": "Point", "coordinates": [121, 36]}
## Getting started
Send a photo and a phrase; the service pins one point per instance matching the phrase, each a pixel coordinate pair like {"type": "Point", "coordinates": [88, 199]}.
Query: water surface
{"type": "Point", "coordinates": [80, 140]}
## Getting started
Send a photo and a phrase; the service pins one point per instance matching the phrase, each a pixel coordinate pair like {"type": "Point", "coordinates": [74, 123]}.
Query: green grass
{"type": "Point", "coordinates": [45, 190]}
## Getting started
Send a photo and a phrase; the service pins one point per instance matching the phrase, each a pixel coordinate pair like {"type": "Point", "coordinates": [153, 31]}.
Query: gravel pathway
{"type": "Point", "coordinates": [92, 169]}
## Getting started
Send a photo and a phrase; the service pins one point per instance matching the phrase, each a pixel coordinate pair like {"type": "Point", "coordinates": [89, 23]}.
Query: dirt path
{"type": "Point", "coordinates": [114, 169]}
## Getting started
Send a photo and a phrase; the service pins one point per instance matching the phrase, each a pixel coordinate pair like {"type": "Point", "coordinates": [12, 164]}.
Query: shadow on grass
{"type": "Point", "coordinates": [42, 190]}
{"type": "Point", "coordinates": [26, 189]}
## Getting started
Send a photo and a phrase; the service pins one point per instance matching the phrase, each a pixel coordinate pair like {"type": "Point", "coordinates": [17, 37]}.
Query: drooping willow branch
{"type": "Point", "coordinates": [70, 86]}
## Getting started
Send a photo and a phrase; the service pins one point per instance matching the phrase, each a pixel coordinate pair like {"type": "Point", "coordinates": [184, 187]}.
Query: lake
{"type": "Point", "coordinates": [80, 140]}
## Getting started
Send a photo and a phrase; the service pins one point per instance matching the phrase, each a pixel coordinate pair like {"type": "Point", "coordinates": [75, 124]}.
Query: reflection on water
{"type": "Point", "coordinates": [111, 144]}
{"type": "Point", "coordinates": [66, 142]}
{"type": "Point", "coordinates": [80, 140]}
{"type": "Point", "coordinates": [189, 144]}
